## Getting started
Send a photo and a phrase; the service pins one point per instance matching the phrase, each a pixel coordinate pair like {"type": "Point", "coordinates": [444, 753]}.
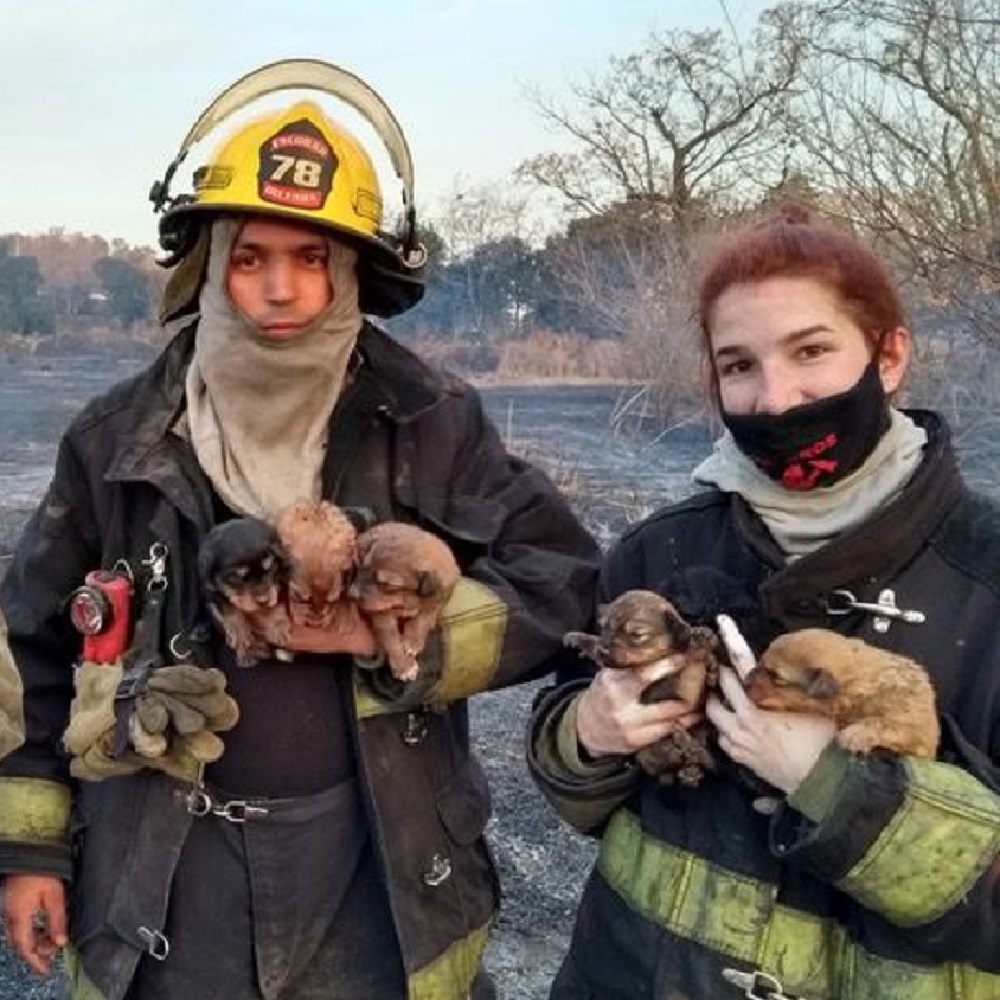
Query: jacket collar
{"type": "Point", "coordinates": [407, 385]}
{"type": "Point", "coordinates": [878, 548]}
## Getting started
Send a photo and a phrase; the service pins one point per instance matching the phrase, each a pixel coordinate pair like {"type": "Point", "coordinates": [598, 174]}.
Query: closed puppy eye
{"type": "Point", "coordinates": [778, 681]}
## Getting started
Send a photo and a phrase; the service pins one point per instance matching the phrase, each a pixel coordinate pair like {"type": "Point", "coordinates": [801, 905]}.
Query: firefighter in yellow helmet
{"type": "Point", "coordinates": [309, 827]}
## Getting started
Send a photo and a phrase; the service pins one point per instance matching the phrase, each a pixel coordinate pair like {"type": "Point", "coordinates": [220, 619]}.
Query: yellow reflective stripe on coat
{"type": "Point", "coordinates": [80, 987]}
{"type": "Point", "coordinates": [11, 697]}
{"type": "Point", "coordinates": [450, 975]}
{"type": "Point", "coordinates": [738, 917]}
{"type": "Point", "coordinates": [886, 880]}
{"type": "Point", "coordinates": [34, 811]}
{"type": "Point", "coordinates": [472, 627]}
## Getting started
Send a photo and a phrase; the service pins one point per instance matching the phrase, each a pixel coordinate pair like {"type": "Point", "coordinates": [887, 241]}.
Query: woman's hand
{"type": "Point", "coordinates": [611, 719]}
{"type": "Point", "coordinates": [780, 747]}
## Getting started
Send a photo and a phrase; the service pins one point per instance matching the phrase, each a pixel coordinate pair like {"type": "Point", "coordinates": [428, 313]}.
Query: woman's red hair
{"type": "Point", "coordinates": [791, 244]}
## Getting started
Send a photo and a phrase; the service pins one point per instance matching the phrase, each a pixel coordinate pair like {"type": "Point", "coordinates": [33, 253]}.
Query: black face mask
{"type": "Point", "coordinates": [816, 444]}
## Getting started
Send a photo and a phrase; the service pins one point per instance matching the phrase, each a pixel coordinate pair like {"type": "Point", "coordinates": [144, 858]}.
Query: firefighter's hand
{"type": "Point", "coordinates": [610, 718]}
{"type": "Point", "coordinates": [348, 633]}
{"type": "Point", "coordinates": [780, 747]}
{"type": "Point", "coordinates": [34, 914]}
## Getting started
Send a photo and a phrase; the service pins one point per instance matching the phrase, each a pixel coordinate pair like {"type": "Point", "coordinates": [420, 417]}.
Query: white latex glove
{"type": "Point", "coordinates": [780, 747]}
{"type": "Point", "coordinates": [611, 719]}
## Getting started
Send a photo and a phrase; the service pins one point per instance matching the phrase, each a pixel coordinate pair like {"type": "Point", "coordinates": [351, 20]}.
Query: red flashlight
{"type": "Point", "coordinates": [100, 612]}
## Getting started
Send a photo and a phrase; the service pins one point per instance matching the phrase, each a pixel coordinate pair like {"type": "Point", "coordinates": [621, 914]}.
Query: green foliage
{"type": "Point", "coordinates": [127, 289]}
{"type": "Point", "coordinates": [23, 309]}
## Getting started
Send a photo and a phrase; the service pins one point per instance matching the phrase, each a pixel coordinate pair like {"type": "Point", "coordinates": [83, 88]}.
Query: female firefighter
{"type": "Point", "coordinates": [878, 875]}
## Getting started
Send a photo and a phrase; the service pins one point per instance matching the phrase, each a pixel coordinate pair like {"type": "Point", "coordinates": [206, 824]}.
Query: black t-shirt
{"type": "Point", "coordinates": [293, 736]}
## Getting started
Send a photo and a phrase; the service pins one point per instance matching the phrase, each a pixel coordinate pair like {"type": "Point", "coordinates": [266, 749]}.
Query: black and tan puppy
{"type": "Point", "coordinates": [876, 698]}
{"type": "Point", "coordinates": [640, 627]}
{"type": "Point", "coordinates": [244, 572]}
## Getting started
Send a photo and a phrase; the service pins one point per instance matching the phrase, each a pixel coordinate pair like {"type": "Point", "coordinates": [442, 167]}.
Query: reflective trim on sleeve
{"type": "Point", "coordinates": [472, 627]}
{"type": "Point", "coordinates": [951, 824]}
{"type": "Point", "coordinates": [34, 811]}
{"type": "Point", "coordinates": [737, 916]}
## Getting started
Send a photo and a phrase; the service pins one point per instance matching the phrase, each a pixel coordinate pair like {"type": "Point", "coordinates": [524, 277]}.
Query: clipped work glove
{"type": "Point", "coordinates": [172, 729]}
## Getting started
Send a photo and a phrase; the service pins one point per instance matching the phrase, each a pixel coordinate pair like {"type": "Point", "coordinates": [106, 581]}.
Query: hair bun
{"type": "Point", "coordinates": [794, 214]}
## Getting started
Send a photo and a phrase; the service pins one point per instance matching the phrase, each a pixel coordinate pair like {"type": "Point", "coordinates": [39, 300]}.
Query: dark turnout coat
{"type": "Point", "coordinates": [409, 444]}
{"type": "Point", "coordinates": [880, 877]}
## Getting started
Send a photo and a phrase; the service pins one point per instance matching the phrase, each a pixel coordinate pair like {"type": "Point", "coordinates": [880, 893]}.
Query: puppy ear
{"type": "Point", "coordinates": [428, 583]}
{"type": "Point", "coordinates": [820, 683]}
{"type": "Point", "coordinates": [678, 629]}
{"type": "Point", "coordinates": [602, 614]}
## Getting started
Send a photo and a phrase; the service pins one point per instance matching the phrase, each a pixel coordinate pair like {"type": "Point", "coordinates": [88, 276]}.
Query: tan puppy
{"type": "Point", "coordinates": [640, 627]}
{"type": "Point", "coordinates": [405, 577]}
{"type": "Point", "coordinates": [321, 543]}
{"type": "Point", "coordinates": [877, 698]}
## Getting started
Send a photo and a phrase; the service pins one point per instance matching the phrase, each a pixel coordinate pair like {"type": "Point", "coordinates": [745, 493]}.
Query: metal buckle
{"type": "Point", "coordinates": [198, 802]}
{"type": "Point", "coordinates": [238, 811]}
{"type": "Point", "coordinates": [843, 602]}
{"type": "Point", "coordinates": [157, 944]}
{"type": "Point", "coordinates": [751, 982]}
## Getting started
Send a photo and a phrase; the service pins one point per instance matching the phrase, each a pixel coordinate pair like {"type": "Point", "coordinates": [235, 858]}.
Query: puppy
{"type": "Point", "coordinates": [405, 576]}
{"type": "Point", "coordinates": [244, 570]}
{"type": "Point", "coordinates": [876, 698]}
{"type": "Point", "coordinates": [321, 543]}
{"type": "Point", "coordinates": [640, 627]}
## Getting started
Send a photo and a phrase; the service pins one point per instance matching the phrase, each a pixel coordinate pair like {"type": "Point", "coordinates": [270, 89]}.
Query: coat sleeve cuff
{"type": "Point", "coordinates": [34, 826]}
{"type": "Point", "coordinates": [574, 758]}
{"type": "Point", "coordinates": [816, 797]}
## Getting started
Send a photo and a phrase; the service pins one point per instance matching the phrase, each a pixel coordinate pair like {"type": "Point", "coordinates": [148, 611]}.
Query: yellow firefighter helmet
{"type": "Point", "coordinates": [299, 164]}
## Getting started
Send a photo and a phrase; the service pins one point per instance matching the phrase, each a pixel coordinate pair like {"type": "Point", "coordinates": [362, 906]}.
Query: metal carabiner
{"type": "Point", "coordinates": [157, 562]}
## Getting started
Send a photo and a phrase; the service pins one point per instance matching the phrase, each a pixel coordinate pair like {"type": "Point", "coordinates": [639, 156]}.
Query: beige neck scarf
{"type": "Point", "coordinates": [803, 521]}
{"type": "Point", "coordinates": [258, 410]}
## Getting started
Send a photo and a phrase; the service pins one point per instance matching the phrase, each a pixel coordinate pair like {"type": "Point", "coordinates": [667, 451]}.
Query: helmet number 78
{"type": "Point", "coordinates": [305, 173]}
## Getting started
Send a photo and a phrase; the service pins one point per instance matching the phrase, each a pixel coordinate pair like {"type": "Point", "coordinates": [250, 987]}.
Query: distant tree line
{"type": "Point", "coordinates": [883, 114]}
{"type": "Point", "coordinates": [71, 283]}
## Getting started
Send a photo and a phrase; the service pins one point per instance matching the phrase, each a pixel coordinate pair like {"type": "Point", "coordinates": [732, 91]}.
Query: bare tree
{"type": "Point", "coordinates": [691, 116]}
{"type": "Point", "coordinates": [901, 124]}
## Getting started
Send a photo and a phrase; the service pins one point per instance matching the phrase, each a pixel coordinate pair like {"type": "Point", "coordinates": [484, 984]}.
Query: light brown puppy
{"type": "Point", "coordinates": [640, 627]}
{"type": "Point", "coordinates": [877, 699]}
{"type": "Point", "coordinates": [405, 576]}
{"type": "Point", "coordinates": [321, 543]}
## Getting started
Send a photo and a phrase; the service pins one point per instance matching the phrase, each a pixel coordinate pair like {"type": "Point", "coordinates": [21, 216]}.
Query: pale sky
{"type": "Point", "coordinates": [96, 95]}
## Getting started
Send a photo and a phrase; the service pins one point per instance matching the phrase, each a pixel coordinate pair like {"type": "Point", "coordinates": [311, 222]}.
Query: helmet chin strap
{"type": "Point", "coordinates": [310, 74]}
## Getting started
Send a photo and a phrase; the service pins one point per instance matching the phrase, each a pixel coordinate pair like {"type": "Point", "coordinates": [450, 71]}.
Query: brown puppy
{"type": "Point", "coordinates": [640, 627]}
{"type": "Point", "coordinates": [405, 576]}
{"type": "Point", "coordinates": [877, 698]}
{"type": "Point", "coordinates": [244, 571]}
{"type": "Point", "coordinates": [322, 545]}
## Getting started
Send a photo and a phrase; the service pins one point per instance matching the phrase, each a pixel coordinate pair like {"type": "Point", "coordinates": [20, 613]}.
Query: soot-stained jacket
{"type": "Point", "coordinates": [880, 876]}
{"type": "Point", "coordinates": [407, 443]}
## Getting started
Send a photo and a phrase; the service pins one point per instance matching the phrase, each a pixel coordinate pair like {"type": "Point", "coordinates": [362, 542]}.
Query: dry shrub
{"type": "Point", "coordinates": [465, 357]}
{"type": "Point", "coordinates": [550, 355]}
